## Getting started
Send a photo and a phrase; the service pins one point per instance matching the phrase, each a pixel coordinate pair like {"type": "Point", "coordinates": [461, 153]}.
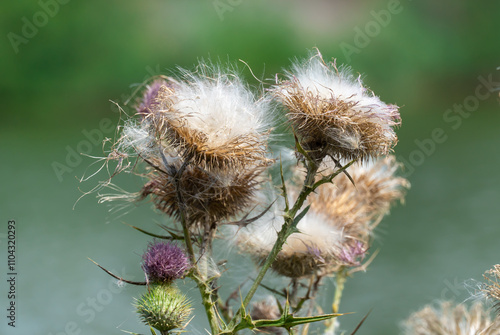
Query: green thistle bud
{"type": "Point", "coordinates": [164, 307]}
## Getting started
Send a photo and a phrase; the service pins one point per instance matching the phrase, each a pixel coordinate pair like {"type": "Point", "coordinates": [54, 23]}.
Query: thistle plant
{"type": "Point", "coordinates": [200, 142]}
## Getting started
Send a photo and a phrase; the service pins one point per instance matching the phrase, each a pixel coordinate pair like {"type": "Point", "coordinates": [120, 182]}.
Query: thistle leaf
{"type": "Point", "coordinates": [148, 233]}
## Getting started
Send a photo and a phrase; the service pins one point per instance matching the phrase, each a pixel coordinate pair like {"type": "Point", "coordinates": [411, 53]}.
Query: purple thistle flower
{"type": "Point", "coordinates": [149, 97]}
{"type": "Point", "coordinates": [353, 253]}
{"type": "Point", "coordinates": [316, 253]}
{"type": "Point", "coordinates": [164, 262]}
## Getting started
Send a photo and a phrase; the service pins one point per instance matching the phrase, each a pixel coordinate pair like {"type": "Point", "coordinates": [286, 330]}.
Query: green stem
{"type": "Point", "coordinates": [340, 282]}
{"type": "Point", "coordinates": [205, 291]}
{"type": "Point", "coordinates": [341, 278]}
{"type": "Point", "coordinates": [286, 230]}
{"type": "Point", "coordinates": [206, 296]}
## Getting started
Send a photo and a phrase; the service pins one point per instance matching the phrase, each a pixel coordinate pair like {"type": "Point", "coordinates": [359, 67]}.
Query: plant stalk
{"type": "Point", "coordinates": [340, 280]}
{"type": "Point", "coordinates": [203, 286]}
{"type": "Point", "coordinates": [286, 230]}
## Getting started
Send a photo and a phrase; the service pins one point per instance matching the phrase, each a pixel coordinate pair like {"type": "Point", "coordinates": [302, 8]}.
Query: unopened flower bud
{"type": "Point", "coordinates": [164, 307]}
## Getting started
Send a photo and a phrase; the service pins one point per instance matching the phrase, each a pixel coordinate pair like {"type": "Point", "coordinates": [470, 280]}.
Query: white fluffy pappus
{"type": "Point", "coordinates": [213, 116]}
{"type": "Point", "coordinates": [220, 105]}
{"type": "Point", "coordinates": [137, 138]}
{"type": "Point", "coordinates": [333, 113]}
{"type": "Point", "coordinates": [326, 82]}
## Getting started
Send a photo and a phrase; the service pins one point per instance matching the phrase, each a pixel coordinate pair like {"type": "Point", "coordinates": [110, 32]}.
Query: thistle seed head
{"type": "Point", "coordinates": [210, 124]}
{"type": "Point", "coordinates": [334, 114]}
{"type": "Point", "coordinates": [212, 118]}
{"type": "Point", "coordinates": [207, 196]}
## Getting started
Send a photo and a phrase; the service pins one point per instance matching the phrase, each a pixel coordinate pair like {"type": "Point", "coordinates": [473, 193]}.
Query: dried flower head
{"type": "Point", "coordinates": [338, 227]}
{"type": "Point", "coordinates": [208, 125]}
{"type": "Point", "coordinates": [492, 287]}
{"type": "Point", "coordinates": [164, 262]}
{"type": "Point", "coordinates": [334, 114]}
{"type": "Point", "coordinates": [212, 118]}
{"type": "Point", "coordinates": [450, 319]}
{"type": "Point", "coordinates": [376, 187]}
{"type": "Point", "coordinates": [208, 196]}
{"type": "Point", "coordinates": [163, 307]}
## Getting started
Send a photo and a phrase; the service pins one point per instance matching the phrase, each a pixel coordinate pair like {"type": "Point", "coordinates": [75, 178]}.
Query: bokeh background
{"type": "Point", "coordinates": [59, 76]}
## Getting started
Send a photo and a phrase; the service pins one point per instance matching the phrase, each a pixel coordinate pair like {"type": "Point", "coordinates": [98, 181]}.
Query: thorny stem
{"type": "Point", "coordinates": [288, 228]}
{"type": "Point", "coordinates": [285, 231]}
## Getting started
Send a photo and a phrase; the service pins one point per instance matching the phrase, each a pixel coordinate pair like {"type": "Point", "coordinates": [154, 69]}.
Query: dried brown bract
{"type": "Point", "coordinates": [492, 287]}
{"type": "Point", "coordinates": [207, 196]}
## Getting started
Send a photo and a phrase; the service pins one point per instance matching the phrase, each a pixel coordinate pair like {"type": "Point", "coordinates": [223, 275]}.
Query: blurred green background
{"type": "Point", "coordinates": [59, 75]}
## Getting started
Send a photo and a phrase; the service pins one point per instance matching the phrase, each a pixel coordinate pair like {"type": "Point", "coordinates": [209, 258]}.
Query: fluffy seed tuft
{"type": "Point", "coordinates": [334, 114]}
{"type": "Point", "coordinates": [213, 119]}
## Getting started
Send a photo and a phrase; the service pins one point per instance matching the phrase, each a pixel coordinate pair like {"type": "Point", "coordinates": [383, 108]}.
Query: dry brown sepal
{"type": "Point", "coordinates": [492, 287]}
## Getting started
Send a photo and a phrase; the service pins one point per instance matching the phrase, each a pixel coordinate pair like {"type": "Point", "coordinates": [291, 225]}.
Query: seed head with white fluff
{"type": "Point", "coordinates": [208, 124]}
{"type": "Point", "coordinates": [333, 114]}
{"type": "Point", "coordinates": [213, 118]}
